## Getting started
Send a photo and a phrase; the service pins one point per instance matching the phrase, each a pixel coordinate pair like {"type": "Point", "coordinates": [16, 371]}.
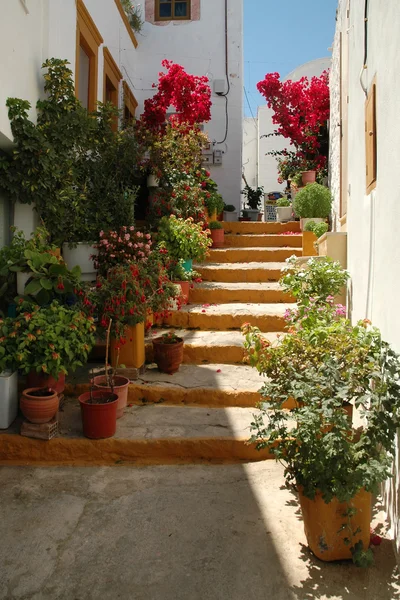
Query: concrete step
{"type": "Point", "coordinates": [259, 228]}
{"type": "Point", "coordinates": [263, 241]}
{"type": "Point", "coordinates": [222, 317]}
{"type": "Point", "coordinates": [201, 347]}
{"type": "Point", "coordinates": [237, 255]}
{"type": "Point", "coordinates": [215, 292]}
{"type": "Point", "coordinates": [246, 272]}
{"type": "Point", "coordinates": [150, 434]}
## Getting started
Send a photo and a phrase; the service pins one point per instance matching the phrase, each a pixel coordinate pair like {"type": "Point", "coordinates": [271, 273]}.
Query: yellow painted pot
{"type": "Point", "coordinates": [322, 524]}
{"type": "Point", "coordinates": [212, 217]}
{"type": "Point", "coordinates": [132, 353]}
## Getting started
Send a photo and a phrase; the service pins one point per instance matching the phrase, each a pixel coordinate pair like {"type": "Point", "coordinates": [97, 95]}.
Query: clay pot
{"type": "Point", "coordinates": [322, 524]}
{"type": "Point", "coordinates": [41, 380]}
{"type": "Point", "coordinates": [99, 420]}
{"type": "Point", "coordinates": [185, 289]}
{"type": "Point", "coordinates": [39, 405]}
{"type": "Point", "coordinates": [121, 387]}
{"type": "Point", "coordinates": [308, 177]}
{"type": "Point", "coordinates": [217, 236]}
{"type": "Point", "coordinates": [168, 357]}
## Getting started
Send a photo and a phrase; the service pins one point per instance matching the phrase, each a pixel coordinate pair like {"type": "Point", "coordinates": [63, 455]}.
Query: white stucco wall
{"type": "Point", "coordinates": [250, 150]}
{"type": "Point", "coordinates": [199, 46]}
{"type": "Point", "coordinates": [48, 30]}
{"type": "Point", "coordinates": [372, 220]}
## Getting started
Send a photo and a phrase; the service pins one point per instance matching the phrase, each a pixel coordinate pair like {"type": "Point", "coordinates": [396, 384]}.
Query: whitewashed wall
{"type": "Point", "coordinates": [250, 143]}
{"type": "Point", "coordinates": [372, 220]}
{"type": "Point", "coordinates": [48, 29]}
{"type": "Point", "coordinates": [199, 46]}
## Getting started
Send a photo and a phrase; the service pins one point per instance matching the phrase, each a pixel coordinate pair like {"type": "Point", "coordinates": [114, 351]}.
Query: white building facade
{"type": "Point", "coordinates": [365, 157]}
{"type": "Point", "coordinates": [111, 63]}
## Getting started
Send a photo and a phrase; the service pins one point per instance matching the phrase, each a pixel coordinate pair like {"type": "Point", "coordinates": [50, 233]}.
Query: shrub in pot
{"type": "Point", "coordinates": [181, 277]}
{"type": "Point", "coordinates": [230, 213]}
{"type": "Point", "coordinates": [321, 363]}
{"type": "Point", "coordinates": [283, 210]}
{"type": "Point", "coordinates": [314, 201]}
{"type": "Point", "coordinates": [253, 198]}
{"type": "Point", "coordinates": [214, 204]}
{"type": "Point", "coordinates": [217, 234]}
{"type": "Point", "coordinates": [183, 238]}
{"type": "Point", "coordinates": [317, 228]}
{"type": "Point", "coordinates": [168, 352]}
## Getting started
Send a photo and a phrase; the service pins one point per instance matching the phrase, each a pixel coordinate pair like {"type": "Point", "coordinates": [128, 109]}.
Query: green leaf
{"type": "Point", "coordinates": [33, 287]}
{"type": "Point", "coordinates": [46, 284]}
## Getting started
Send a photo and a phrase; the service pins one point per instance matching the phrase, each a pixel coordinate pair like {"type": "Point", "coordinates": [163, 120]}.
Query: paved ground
{"type": "Point", "coordinates": [167, 533]}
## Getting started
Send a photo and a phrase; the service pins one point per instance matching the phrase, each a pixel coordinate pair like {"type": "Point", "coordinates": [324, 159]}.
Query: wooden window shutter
{"type": "Point", "coordinates": [370, 139]}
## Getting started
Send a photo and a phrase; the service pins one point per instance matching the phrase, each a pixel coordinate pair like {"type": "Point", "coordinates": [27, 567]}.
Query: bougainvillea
{"type": "Point", "coordinates": [190, 95]}
{"type": "Point", "coordinates": [301, 111]}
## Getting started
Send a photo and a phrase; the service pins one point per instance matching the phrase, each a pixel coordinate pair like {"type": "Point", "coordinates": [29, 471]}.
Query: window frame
{"type": "Point", "coordinates": [114, 75]}
{"type": "Point", "coordinates": [89, 38]}
{"type": "Point", "coordinates": [130, 102]}
{"type": "Point", "coordinates": [157, 16]}
{"type": "Point", "coordinates": [371, 139]}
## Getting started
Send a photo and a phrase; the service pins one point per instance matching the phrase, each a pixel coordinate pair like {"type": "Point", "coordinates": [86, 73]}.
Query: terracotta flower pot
{"type": "Point", "coordinates": [322, 524]}
{"type": "Point", "coordinates": [39, 405]}
{"type": "Point", "coordinates": [121, 387]}
{"type": "Point", "coordinates": [132, 353]}
{"type": "Point", "coordinates": [168, 357]}
{"type": "Point", "coordinates": [41, 380]}
{"type": "Point", "coordinates": [185, 288]}
{"type": "Point", "coordinates": [99, 420]}
{"type": "Point", "coordinates": [308, 177]}
{"type": "Point", "coordinates": [217, 236]}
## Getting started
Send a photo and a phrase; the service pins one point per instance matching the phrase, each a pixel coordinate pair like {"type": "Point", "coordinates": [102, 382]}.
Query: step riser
{"type": "Point", "coordinates": [18, 450]}
{"type": "Point", "coordinates": [231, 276]}
{"type": "Point", "coordinates": [196, 355]}
{"type": "Point", "coordinates": [224, 322]}
{"type": "Point", "coordinates": [260, 228]}
{"type": "Point", "coordinates": [235, 255]}
{"type": "Point", "coordinates": [256, 241]}
{"type": "Point", "coordinates": [201, 296]}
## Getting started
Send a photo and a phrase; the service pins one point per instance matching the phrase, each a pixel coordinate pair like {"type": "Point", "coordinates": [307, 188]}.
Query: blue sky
{"type": "Point", "coordinates": [279, 35]}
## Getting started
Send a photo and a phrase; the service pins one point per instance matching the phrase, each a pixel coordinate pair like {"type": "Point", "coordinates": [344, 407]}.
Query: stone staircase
{"type": "Point", "coordinates": [203, 412]}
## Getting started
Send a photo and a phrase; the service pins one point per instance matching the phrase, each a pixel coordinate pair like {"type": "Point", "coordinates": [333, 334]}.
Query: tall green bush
{"type": "Point", "coordinates": [313, 201]}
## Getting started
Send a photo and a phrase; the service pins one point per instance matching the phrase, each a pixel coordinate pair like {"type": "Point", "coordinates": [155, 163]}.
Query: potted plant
{"type": "Point", "coordinates": [8, 378]}
{"type": "Point", "coordinates": [184, 239]}
{"type": "Point", "coordinates": [283, 210]}
{"type": "Point", "coordinates": [230, 213]}
{"type": "Point", "coordinates": [319, 364]}
{"type": "Point", "coordinates": [217, 234]}
{"type": "Point", "coordinates": [313, 202]}
{"type": "Point", "coordinates": [182, 278]}
{"type": "Point", "coordinates": [49, 341]}
{"type": "Point", "coordinates": [111, 383]}
{"type": "Point", "coordinates": [253, 200]}
{"type": "Point", "coordinates": [214, 204]}
{"type": "Point", "coordinates": [168, 352]}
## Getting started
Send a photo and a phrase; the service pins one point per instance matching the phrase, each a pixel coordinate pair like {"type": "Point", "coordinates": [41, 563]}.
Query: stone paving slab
{"type": "Point", "coordinates": [268, 317]}
{"type": "Point", "coordinates": [254, 272]}
{"type": "Point", "coordinates": [170, 533]}
{"type": "Point", "coordinates": [252, 227]}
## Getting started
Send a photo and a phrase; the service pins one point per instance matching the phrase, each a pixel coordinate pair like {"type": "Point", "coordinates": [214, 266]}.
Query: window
{"type": "Point", "coordinates": [88, 40]}
{"type": "Point", "coordinates": [112, 77]}
{"type": "Point", "coordinates": [172, 9]}
{"type": "Point", "coordinates": [370, 139]}
{"type": "Point", "coordinates": [130, 104]}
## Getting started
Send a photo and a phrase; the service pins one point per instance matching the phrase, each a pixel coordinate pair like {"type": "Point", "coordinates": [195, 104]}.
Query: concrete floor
{"type": "Point", "coordinates": [168, 533]}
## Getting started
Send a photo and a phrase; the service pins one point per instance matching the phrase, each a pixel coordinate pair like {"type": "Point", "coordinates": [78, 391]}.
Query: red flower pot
{"type": "Point", "coordinates": [121, 386]}
{"type": "Point", "coordinates": [217, 236]}
{"type": "Point", "coordinates": [99, 420]}
{"type": "Point", "coordinates": [168, 357]}
{"type": "Point", "coordinates": [39, 405]}
{"type": "Point", "coordinates": [41, 380]}
{"type": "Point", "coordinates": [185, 287]}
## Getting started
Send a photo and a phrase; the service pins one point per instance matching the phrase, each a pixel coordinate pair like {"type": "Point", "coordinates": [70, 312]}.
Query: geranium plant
{"type": "Point", "coordinates": [52, 340]}
{"type": "Point", "coordinates": [116, 248]}
{"type": "Point", "coordinates": [183, 238]}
